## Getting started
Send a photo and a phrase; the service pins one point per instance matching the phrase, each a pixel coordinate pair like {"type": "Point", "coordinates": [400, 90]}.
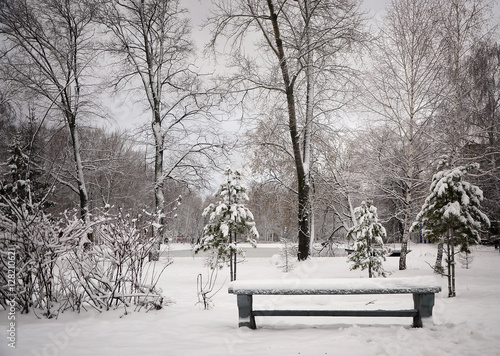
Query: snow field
{"type": "Point", "coordinates": [466, 325]}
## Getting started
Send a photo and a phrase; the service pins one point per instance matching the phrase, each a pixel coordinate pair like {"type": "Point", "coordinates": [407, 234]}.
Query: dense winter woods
{"type": "Point", "coordinates": [108, 113]}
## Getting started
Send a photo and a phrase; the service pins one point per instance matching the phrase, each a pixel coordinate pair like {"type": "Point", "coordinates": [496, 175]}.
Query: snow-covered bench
{"type": "Point", "coordinates": [422, 288]}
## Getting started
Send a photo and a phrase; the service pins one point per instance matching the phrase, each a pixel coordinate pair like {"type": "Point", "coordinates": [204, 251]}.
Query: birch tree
{"type": "Point", "coordinates": [151, 40]}
{"type": "Point", "coordinates": [484, 114]}
{"type": "Point", "coordinates": [406, 87]}
{"type": "Point", "coordinates": [300, 60]}
{"type": "Point", "coordinates": [465, 23]}
{"type": "Point", "coordinates": [47, 53]}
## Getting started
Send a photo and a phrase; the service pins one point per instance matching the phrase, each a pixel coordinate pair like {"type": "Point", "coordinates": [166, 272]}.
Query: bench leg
{"type": "Point", "coordinates": [423, 303]}
{"type": "Point", "coordinates": [245, 314]}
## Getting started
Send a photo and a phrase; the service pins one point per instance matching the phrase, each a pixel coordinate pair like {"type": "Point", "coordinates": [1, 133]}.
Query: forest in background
{"type": "Point", "coordinates": [386, 106]}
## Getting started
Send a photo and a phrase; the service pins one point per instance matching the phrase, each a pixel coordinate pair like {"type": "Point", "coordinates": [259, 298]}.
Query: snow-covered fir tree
{"type": "Point", "coordinates": [368, 234]}
{"type": "Point", "coordinates": [453, 204]}
{"type": "Point", "coordinates": [227, 219]}
{"type": "Point", "coordinates": [452, 210]}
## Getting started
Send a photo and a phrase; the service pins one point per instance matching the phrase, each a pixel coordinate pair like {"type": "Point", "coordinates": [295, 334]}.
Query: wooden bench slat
{"type": "Point", "coordinates": [338, 286]}
{"type": "Point", "coordinates": [360, 313]}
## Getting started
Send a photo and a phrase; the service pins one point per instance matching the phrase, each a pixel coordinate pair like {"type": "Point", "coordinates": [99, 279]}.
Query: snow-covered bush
{"type": "Point", "coordinates": [115, 271]}
{"type": "Point", "coordinates": [48, 263]}
{"type": "Point", "coordinates": [207, 289]}
{"type": "Point", "coordinates": [368, 234]}
{"type": "Point", "coordinates": [227, 219]}
{"type": "Point", "coordinates": [54, 267]}
{"type": "Point", "coordinates": [37, 242]}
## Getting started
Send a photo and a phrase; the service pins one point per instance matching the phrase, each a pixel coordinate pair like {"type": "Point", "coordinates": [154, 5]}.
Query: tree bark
{"type": "Point", "coordinates": [84, 199]}
{"type": "Point", "coordinates": [303, 186]}
{"type": "Point", "coordinates": [452, 263]}
{"type": "Point", "coordinates": [438, 266]}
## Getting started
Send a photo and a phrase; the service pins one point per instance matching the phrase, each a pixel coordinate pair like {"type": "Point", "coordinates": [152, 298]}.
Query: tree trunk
{"type": "Point", "coordinates": [406, 234]}
{"type": "Point", "coordinates": [404, 251]}
{"type": "Point", "coordinates": [303, 186]}
{"type": "Point", "coordinates": [312, 228]}
{"type": "Point", "coordinates": [408, 196]}
{"type": "Point", "coordinates": [370, 255]}
{"type": "Point", "coordinates": [82, 190]}
{"type": "Point", "coordinates": [154, 255]}
{"type": "Point", "coordinates": [231, 259]}
{"type": "Point", "coordinates": [307, 146]}
{"type": "Point", "coordinates": [452, 263]}
{"type": "Point", "coordinates": [407, 224]}
{"type": "Point", "coordinates": [438, 267]}
{"type": "Point", "coordinates": [235, 258]}
{"type": "Point", "coordinates": [303, 219]}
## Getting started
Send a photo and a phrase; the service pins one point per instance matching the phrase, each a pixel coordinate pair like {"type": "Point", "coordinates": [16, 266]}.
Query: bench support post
{"type": "Point", "coordinates": [245, 311]}
{"type": "Point", "coordinates": [423, 303]}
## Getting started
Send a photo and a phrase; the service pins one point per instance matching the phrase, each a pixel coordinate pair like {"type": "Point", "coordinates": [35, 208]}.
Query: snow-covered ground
{"type": "Point", "coordinates": [466, 325]}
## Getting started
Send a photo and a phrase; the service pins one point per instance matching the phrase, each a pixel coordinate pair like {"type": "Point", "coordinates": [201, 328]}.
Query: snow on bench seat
{"type": "Point", "coordinates": [422, 288]}
{"type": "Point", "coordinates": [424, 284]}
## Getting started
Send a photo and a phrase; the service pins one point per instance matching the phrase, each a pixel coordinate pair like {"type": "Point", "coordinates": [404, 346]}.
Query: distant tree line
{"type": "Point", "coordinates": [335, 113]}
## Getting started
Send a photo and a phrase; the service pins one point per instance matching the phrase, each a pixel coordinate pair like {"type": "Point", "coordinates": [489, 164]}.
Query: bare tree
{"type": "Point", "coordinates": [115, 170]}
{"type": "Point", "coordinates": [406, 86]}
{"type": "Point", "coordinates": [301, 61]}
{"type": "Point", "coordinates": [7, 124]}
{"type": "Point", "coordinates": [465, 23]}
{"type": "Point", "coordinates": [47, 53]}
{"type": "Point", "coordinates": [484, 110]}
{"type": "Point", "coordinates": [151, 39]}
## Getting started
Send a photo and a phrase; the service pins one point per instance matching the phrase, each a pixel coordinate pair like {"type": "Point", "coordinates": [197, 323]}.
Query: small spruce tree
{"type": "Point", "coordinates": [226, 219]}
{"type": "Point", "coordinates": [368, 234]}
{"type": "Point", "coordinates": [452, 210]}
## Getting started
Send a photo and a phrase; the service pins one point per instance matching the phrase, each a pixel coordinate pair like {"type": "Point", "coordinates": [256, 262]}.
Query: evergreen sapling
{"type": "Point", "coordinates": [452, 210]}
{"type": "Point", "coordinates": [368, 234]}
{"type": "Point", "coordinates": [227, 218]}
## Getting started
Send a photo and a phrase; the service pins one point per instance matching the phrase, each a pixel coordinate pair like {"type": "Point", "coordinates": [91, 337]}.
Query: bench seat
{"type": "Point", "coordinates": [422, 288]}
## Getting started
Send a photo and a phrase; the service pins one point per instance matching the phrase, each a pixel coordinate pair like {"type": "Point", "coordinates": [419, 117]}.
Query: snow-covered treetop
{"type": "Point", "coordinates": [453, 203]}
{"type": "Point", "coordinates": [232, 190]}
{"type": "Point", "coordinates": [367, 222]}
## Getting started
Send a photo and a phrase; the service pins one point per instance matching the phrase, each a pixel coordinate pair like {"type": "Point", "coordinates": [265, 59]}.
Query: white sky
{"type": "Point", "coordinates": [128, 115]}
{"type": "Point", "coordinates": [199, 10]}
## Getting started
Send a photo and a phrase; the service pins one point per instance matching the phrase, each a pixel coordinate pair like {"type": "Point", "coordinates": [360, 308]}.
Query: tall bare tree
{"type": "Point", "coordinates": [47, 52]}
{"type": "Point", "coordinates": [464, 24]}
{"type": "Point", "coordinates": [406, 86]}
{"type": "Point", "coordinates": [151, 39]}
{"type": "Point", "coordinates": [300, 59]}
{"type": "Point", "coordinates": [484, 108]}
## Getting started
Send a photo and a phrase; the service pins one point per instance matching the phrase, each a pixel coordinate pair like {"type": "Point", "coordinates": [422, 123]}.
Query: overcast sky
{"type": "Point", "coordinates": [199, 10]}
